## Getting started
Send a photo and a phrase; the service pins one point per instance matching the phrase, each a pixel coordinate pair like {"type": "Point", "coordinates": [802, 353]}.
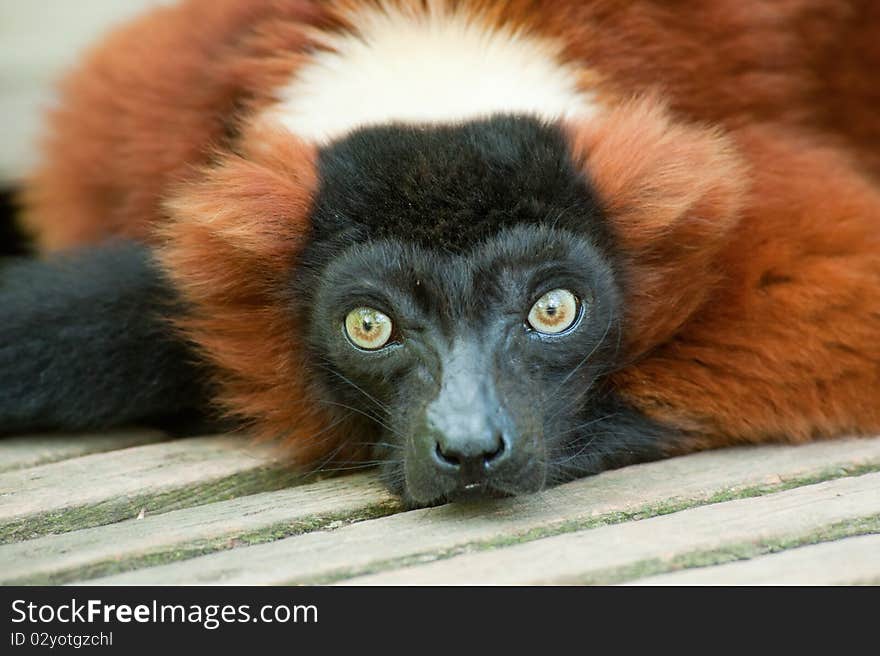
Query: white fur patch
{"type": "Point", "coordinates": [435, 66]}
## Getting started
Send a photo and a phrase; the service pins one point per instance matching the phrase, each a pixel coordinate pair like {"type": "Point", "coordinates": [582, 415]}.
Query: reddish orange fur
{"type": "Point", "coordinates": [786, 347]}
{"type": "Point", "coordinates": [740, 187]}
{"type": "Point", "coordinates": [148, 105]}
{"type": "Point", "coordinates": [229, 249]}
{"type": "Point", "coordinates": [673, 193]}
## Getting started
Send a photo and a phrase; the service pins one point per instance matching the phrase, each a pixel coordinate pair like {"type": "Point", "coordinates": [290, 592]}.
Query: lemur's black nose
{"type": "Point", "coordinates": [470, 459]}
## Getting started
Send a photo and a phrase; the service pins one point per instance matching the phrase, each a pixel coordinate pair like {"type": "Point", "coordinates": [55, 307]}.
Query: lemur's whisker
{"type": "Point", "coordinates": [350, 382]}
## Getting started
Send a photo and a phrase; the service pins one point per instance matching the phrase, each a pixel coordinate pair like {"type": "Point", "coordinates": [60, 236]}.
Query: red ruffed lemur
{"type": "Point", "coordinates": [490, 245]}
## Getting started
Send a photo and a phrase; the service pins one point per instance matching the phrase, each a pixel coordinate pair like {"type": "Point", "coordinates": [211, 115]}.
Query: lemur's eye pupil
{"type": "Point", "coordinates": [368, 328]}
{"type": "Point", "coordinates": [555, 312]}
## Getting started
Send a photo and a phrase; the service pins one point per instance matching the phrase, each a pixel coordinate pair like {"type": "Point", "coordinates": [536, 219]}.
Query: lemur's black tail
{"type": "Point", "coordinates": [85, 343]}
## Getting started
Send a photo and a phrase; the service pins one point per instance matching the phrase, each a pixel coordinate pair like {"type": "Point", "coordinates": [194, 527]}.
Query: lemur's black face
{"type": "Point", "coordinates": [463, 304]}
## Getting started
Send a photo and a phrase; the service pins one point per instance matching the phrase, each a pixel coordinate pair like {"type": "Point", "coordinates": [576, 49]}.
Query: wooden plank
{"type": "Point", "coordinates": [190, 531]}
{"type": "Point", "coordinates": [602, 554]}
{"type": "Point", "coordinates": [851, 561]}
{"type": "Point", "coordinates": [391, 542]}
{"type": "Point", "coordinates": [33, 450]}
{"type": "Point", "coordinates": [108, 487]}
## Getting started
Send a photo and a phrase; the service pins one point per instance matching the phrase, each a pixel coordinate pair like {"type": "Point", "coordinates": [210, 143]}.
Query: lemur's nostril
{"type": "Point", "coordinates": [498, 452]}
{"type": "Point", "coordinates": [449, 458]}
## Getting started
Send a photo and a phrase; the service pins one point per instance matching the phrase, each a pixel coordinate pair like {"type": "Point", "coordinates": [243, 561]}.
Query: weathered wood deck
{"type": "Point", "coordinates": [139, 508]}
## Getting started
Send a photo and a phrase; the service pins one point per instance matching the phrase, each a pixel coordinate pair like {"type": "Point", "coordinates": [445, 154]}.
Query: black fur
{"type": "Point", "coordinates": [84, 343]}
{"type": "Point", "coordinates": [455, 232]}
{"type": "Point", "coordinates": [450, 187]}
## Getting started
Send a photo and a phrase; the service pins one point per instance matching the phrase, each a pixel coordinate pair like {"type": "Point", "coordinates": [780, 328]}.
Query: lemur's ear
{"type": "Point", "coordinates": [232, 237]}
{"type": "Point", "coordinates": [256, 201]}
{"type": "Point", "coordinates": [672, 193]}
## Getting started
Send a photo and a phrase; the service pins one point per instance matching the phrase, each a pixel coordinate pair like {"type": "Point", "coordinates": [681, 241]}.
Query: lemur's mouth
{"type": "Point", "coordinates": [473, 492]}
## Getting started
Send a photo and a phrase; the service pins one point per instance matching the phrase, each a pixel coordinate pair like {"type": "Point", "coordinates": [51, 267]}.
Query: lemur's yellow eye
{"type": "Point", "coordinates": [367, 328]}
{"type": "Point", "coordinates": [554, 312]}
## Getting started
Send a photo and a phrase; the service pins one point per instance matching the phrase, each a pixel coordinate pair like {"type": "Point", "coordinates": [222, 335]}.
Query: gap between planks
{"type": "Point", "coordinates": [33, 450]}
{"type": "Point", "coordinates": [850, 561]}
{"type": "Point", "coordinates": [428, 534]}
{"type": "Point", "coordinates": [108, 487]}
{"type": "Point", "coordinates": [624, 551]}
{"type": "Point", "coordinates": [193, 531]}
